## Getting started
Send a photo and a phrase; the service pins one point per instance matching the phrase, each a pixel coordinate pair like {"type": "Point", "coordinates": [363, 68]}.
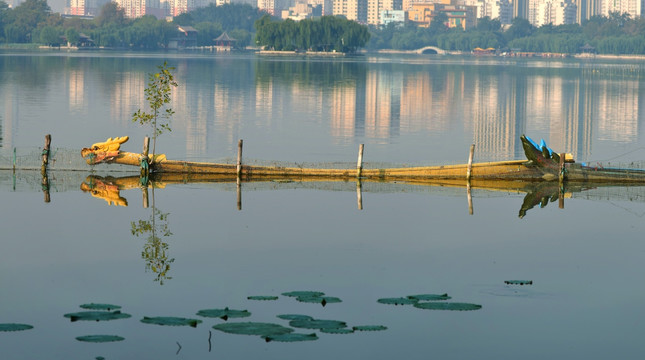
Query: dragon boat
{"type": "Point", "coordinates": [541, 164]}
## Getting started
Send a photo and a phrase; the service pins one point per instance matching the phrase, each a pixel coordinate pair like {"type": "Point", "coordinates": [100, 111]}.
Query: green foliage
{"type": "Point", "coordinates": [50, 36]}
{"type": "Point", "coordinates": [158, 94]}
{"type": "Point", "coordinates": [97, 315]}
{"type": "Point", "coordinates": [155, 250]}
{"type": "Point", "coordinates": [253, 328]}
{"type": "Point", "coordinates": [170, 321]}
{"type": "Point", "coordinates": [72, 36]}
{"type": "Point", "coordinates": [328, 33]}
{"type": "Point", "coordinates": [228, 16]}
{"type": "Point", "coordinates": [99, 338]}
{"type": "Point", "coordinates": [15, 327]}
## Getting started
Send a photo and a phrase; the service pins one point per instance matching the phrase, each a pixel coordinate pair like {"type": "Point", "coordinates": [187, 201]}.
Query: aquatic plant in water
{"type": "Point", "coordinates": [263, 297]}
{"type": "Point", "coordinates": [398, 301]}
{"type": "Point", "coordinates": [303, 293]}
{"type": "Point", "coordinates": [170, 321]}
{"type": "Point", "coordinates": [447, 306]}
{"type": "Point", "coordinates": [318, 324]}
{"type": "Point", "coordinates": [97, 315]}
{"type": "Point", "coordinates": [224, 314]}
{"type": "Point", "coordinates": [295, 317]}
{"type": "Point", "coordinates": [93, 306]}
{"type": "Point", "coordinates": [429, 297]}
{"type": "Point", "coordinates": [369, 328]}
{"type": "Point", "coordinates": [15, 327]}
{"type": "Point", "coordinates": [100, 338]}
{"type": "Point", "coordinates": [518, 282]}
{"type": "Point", "coordinates": [324, 300]}
{"type": "Point", "coordinates": [338, 331]}
{"type": "Point", "coordinates": [291, 337]}
{"type": "Point", "coordinates": [253, 328]}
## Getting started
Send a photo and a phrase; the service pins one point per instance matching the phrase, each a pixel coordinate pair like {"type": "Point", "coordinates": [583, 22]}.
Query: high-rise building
{"type": "Point", "coordinates": [376, 7]}
{"type": "Point", "coordinates": [632, 7]}
{"type": "Point", "coordinates": [267, 5]}
{"type": "Point", "coordinates": [352, 9]}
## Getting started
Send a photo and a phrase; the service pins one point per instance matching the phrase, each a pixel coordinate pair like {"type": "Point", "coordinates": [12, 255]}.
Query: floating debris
{"type": "Point", "coordinates": [318, 324]}
{"type": "Point", "coordinates": [429, 297]}
{"type": "Point", "coordinates": [295, 317]}
{"type": "Point", "coordinates": [518, 282]}
{"type": "Point", "coordinates": [291, 337]}
{"type": "Point", "coordinates": [93, 306]}
{"type": "Point", "coordinates": [15, 327]}
{"type": "Point", "coordinates": [253, 328]}
{"type": "Point", "coordinates": [170, 321]}
{"type": "Point", "coordinates": [97, 315]}
{"type": "Point", "coordinates": [100, 338]}
{"type": "Point", "coordinates": [337, 331]}
{"type": "Point", "coordinates": [224, 314]}
{"type": "Point", "coordinates": [303, 293]}
{"type": "Point", "coordinates": [447, 306]}
{"type": "Point", "coordinates": [263, 297]}
{"type": "Point", "coordinates": [369, 328]}
{"type": "Point", "coordinates": [324, 300]}
{"type": "Point", "coordinates": [398, 301]}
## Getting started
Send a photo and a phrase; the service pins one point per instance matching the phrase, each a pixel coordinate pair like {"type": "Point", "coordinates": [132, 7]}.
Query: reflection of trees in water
{"type": "Point", "coordinates": [155, 251]}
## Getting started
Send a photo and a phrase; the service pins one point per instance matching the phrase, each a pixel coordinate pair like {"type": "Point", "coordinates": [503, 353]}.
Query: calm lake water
{"type": "Point", "coordinates": [585, 260]}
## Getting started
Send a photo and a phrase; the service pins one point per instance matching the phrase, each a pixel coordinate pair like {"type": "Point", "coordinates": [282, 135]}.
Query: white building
{"type": "Point", "coordinates": [376, 7]}
{"type": "Point", "coordinates": [267, 5]}
{"type": "Point", "coordinates": [392, 16]}
{"type": "Point", "coordinates": [633, 7]}
{"type": "Point", "coordinates": [351, 9]}
{"type": "Point", "coordinates": [555, 12]}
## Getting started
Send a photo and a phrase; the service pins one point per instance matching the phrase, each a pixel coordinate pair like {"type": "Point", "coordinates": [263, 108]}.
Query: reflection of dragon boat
{"type": "Point", "coordinates": [542, 164]}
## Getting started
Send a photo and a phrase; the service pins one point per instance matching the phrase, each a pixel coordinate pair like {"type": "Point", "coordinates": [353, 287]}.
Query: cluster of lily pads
{"type": "Point", "coordinates": [277, 332]}
{"type": "Point", "coordinates": [430, 302]}
{"type": "Point", "coordinates": [98, 312]}
{"type": "Point", "coordinates": [316, 297]}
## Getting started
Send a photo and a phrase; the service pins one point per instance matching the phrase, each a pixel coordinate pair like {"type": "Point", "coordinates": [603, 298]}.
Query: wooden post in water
{"type": "Point", "coordinates": [561, 178]}
{"type": "Point", "coordinates": [145, 169]}
{"type": "Point", "coordinates": [239, 159]}
{"type": "Point", "coordinates": [14, 159]}
{"type": "Point", "coordinates": [359, 194]}
{"type": "Point", "coordinates": [359, 163]}
{"type": "Point", "coordinates": [48, 141]}
{"type": "Point", "coordinates": [470, 198]}
{"type": "Point", "coordinates": [144, 193]}
{"type": "Point", "coordinates": [470, 162]}
{"type": "Point", "coordinates": [239, 174]}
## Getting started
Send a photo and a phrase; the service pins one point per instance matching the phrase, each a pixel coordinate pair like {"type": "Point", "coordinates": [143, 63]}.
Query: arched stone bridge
{"type": "Point", "coordinates": [430, 50]}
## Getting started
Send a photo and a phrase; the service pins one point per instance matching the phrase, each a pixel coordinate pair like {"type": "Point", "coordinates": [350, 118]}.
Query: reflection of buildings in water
{"type": "Point", "coordinates": [417, 100]}
{"type": "Point", "coordinates": [493, 115]}
{"type": "Point", "coordinates": [76, 89]}
{"type": "Point", "coordinates": [229, 110]}
{"type": "Point", "coordinates": [382, 105]}
{"type": "Point", "coordinates": [618, 111]}
{"type": "Point", "coordinates": [199, 110]}
{"type": "Point", "coordinates": [343, 111]}
{"type": "Point", "coordinates": [129, 95]}
{"type": "Point", "coordinates": [263, 98]}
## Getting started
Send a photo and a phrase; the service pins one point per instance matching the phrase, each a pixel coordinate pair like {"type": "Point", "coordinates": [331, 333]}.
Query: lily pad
{"type": "Point", "coordinates": [224, 314]}
{"type": "Point", "coordinates": [369, 328]}
{"type": "Point", "coordinates": [518, 282]}
{"type": "Point", "coordinates": [291, 337]}
{"type": "Point", "coordinates": [170, 321]}
{"type": "Point", "coordinates": [318, 324]}
{"type": "Point", "coordinates": [324, 300]}
{"type": "Point", "coordinates": [253, 328]}
{"type": "Point", "coordinates": [15, 327]}
{"type": "Point", "coordinates": [263, 297]}
{"type": "Point", "coordinates": [99, 338]}
{"type": "Point", "coordinates": [447, 306]}
{"type": "Point", "coordinates": [93, 306]}
{"type": "Point", "coordinates": [398, 301]}
{"type": "Point", "coordinates": [303, 293]}
{"type": "Point", "coordinates": [295, 317]}
{"type": "Point", "coordinates": [338, 331]}
{"type": "Point", "coordinates": [97, 315]}
{"type": "Point", "coordinates": [429, 297]}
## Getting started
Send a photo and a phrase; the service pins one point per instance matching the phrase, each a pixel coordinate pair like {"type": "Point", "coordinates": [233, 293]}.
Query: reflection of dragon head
{"type": "Point", "coordinates": [104, 190]}
{"type": "Point", "coordinates": [103, 151]}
